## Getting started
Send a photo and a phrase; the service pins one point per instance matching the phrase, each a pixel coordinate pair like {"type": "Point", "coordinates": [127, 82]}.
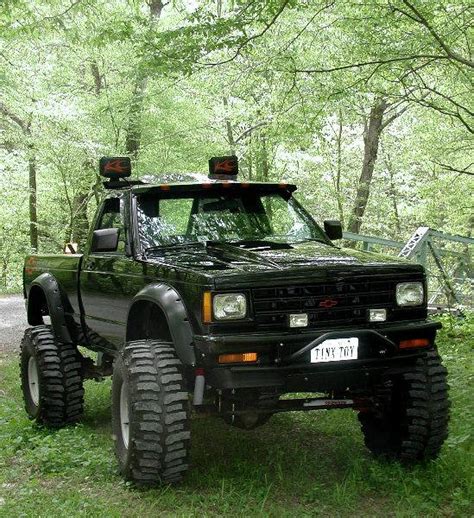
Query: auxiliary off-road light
{"type": "Point", "coordinates": [223, 167]}
{"type": "Point", "coordinates": [414, 342]}
{"type": "Point", "coordinates": [115, 167]}
{"type": "Point", "coordinates": [377, 315]}
{"type": "Point", "coordinates": [410, 293]}
{"type": "Point", "coordinates": [238, 358]}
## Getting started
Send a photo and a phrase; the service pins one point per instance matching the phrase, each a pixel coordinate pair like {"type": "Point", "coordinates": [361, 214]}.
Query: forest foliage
{"type": "Point", "coordinates": [367, 106]}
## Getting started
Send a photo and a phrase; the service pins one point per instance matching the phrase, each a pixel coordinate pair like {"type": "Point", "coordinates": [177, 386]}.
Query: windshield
{"type": "Point", "coordinates": [166, 219]}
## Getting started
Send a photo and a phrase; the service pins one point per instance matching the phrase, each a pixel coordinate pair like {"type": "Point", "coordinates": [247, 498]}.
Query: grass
{"type": "Point", "coordinates": [310, 464]}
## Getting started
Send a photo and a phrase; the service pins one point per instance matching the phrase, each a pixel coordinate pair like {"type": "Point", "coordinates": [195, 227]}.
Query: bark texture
{"type": "Point", "coordinates": [228, 125]}
{"type": "Point", "coordinates": [373, 130]}
{"type": "Point", "coordinates": [32, 200]}
{"type": "Point", "coordinates": [134, 129]}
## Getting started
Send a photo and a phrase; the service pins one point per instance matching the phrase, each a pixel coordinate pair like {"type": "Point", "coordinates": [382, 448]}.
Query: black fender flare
{"type": "Point", "coordinates": [171, 304]}
{"type": "Point", "coordinates": [56, 305]}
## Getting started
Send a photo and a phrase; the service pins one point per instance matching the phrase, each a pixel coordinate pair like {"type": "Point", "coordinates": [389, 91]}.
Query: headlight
{"type": "Point", "coordinates": [229, 306]}
{"type": "Point", "coordinates": [410, 294]}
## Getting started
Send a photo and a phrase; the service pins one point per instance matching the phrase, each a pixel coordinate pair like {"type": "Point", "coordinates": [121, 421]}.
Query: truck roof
{"type": "Point", "coordinates": [191, 183]}
{"type": "Point", "coordinates": [212, 184]}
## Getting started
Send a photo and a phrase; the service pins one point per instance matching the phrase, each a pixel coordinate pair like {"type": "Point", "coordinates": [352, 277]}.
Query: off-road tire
{"type": "Point", "coordinates": [414, 422]}
{"type": "Point", "coordinates": [60, 399]}
{"type": "Point", "coordinates": [158, 413]}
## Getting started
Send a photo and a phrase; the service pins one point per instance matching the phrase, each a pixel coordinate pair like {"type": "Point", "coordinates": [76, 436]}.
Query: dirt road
{"type": "Point", "coordinates": [12, 322]}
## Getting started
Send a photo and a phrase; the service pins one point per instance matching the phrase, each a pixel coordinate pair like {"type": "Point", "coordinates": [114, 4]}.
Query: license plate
{"type": "Point", "coordinates": [335, 350]}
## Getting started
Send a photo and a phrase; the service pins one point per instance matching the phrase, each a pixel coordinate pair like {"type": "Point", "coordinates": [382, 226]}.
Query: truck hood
{"type": "Point", "coordinates": [223, 260]}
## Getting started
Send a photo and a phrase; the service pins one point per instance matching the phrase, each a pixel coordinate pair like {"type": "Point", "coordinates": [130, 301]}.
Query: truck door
{"type": "Point", "coordinates": [103, 279]}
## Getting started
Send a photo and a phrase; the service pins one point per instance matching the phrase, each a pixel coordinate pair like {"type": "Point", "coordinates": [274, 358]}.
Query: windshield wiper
{"type": "Point", "coordinates": [252, 243]}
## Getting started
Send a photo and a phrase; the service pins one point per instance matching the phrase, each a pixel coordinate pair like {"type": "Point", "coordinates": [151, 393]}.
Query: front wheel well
{"type": "Point", "coordinates": [37, 306]}
{"type": "Point", "coordinates": [146, 320]}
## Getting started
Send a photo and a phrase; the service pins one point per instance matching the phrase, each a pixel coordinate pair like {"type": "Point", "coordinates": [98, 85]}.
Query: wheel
{"type": "Point", "coordinates": [150, 413]}
{"type": "Point", "coordinates": [51, 378]}
{"type": "Point", "coordinates": [414, 423]}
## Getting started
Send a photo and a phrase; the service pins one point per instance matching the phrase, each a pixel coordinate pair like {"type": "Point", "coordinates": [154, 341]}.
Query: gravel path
{"type": "Point", "coordinates": [12, 322]}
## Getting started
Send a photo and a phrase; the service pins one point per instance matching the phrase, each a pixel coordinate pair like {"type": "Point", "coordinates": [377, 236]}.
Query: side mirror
{"type": "Point", "coordinates": [105, 240]}
{"type": "Point", "coordinates": [333, 229]}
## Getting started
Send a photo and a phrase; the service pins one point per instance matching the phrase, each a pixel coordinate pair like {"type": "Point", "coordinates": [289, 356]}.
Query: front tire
{"type": "Point", "coordinates": [150, 413]}
{"type": "Point", "coordinates": [413, 424]}
{"type": "Point", "coordinates": [51, 378]}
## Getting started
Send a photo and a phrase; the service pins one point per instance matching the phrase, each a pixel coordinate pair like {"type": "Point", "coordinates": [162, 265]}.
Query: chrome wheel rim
{"type": "Point", "coordinates": [33, 380]}
{"type": "Point", "coordinates": [124, 415]}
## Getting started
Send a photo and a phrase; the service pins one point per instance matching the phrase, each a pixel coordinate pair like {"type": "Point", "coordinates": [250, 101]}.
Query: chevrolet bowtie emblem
{"type": "Point", "coordinates": [328, 303]}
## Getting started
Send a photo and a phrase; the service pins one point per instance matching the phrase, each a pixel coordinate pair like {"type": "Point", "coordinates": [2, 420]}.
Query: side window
{"type": "Point", "coordinates": [112, 217]}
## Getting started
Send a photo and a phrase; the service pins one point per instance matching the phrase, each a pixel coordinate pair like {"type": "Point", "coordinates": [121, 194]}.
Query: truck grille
{"type": "Point", "coordinates": [339, 302]}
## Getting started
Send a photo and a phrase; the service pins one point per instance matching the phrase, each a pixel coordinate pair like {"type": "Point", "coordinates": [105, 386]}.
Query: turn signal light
{"type": "Point", "coordinates": [415, 342]}
{"type": "Point", "coordinates": [207, 307]}
{"type": "Point", "coordinates": [238, 358]}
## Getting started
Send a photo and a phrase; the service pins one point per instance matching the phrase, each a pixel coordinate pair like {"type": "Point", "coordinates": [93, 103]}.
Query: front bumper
{"type": "Point", "coordinates": [285, 358]}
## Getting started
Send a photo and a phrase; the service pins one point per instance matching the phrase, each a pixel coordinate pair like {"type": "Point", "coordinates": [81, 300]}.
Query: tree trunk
{"type": "Point", "coordinates": [228, 125]}
{"type": "Point", "coordinates": [265, 166]}
{"type": "Point", "coordinates": [5, 271]}
{"type": "Point", "coordinates": [371, 145]}
{"type": "Point", "coordinates": [134, 130]}
{"type": "Point", "coordinates": [392, 191]}
{"type": "Point", "coordinates": [25, 126]}
{"type": "Point", "coordinates": [250, 158]}
{"type": "Point", "coordinates": [156, 6]}
{"type": "Point", "coordinates": [97, 78]}
{"type": "Point", "coordinates": [339, 170]}
{"type": "Point", "coordinates": [80, 222]}
{"type": "Point", "coordinates": [32, 200]}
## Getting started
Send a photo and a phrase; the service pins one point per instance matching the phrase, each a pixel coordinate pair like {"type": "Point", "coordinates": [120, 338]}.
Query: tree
{"type": "Point", "coordinates": [367, 107]}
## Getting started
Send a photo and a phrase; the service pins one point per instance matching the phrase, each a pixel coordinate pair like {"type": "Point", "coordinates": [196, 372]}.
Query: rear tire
{"type": "Point", "coordinates": [150, 413]}
{"type": "Point", "coordinates": [413, 424]}
{"type": "Point", "coordinates": [51, 378]}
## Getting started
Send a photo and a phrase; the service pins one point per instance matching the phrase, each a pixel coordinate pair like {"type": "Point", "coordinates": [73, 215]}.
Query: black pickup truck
{"type": "Point", "coordinates": [220, 296]}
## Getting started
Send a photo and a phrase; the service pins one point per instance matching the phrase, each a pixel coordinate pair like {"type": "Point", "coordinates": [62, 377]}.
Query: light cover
{"type": "Point", "coordinates": [299, 320]}
{"type": "Point", "coordinates": [410, 294]}
{"type": "Point", "coordinates": [230, 306]}
{"type": "Point", "coordinates": [377, 315]}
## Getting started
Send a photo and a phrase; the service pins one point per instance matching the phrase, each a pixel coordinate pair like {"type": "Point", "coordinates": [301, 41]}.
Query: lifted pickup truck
{"type": "Point", "coordinates": [220, 296]}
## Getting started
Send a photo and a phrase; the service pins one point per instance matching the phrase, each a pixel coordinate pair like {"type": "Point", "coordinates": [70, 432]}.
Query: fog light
{"type": "Point", "coordinates": [299, 320]}
{"type": "Point", "coordinates": [377, 315]}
